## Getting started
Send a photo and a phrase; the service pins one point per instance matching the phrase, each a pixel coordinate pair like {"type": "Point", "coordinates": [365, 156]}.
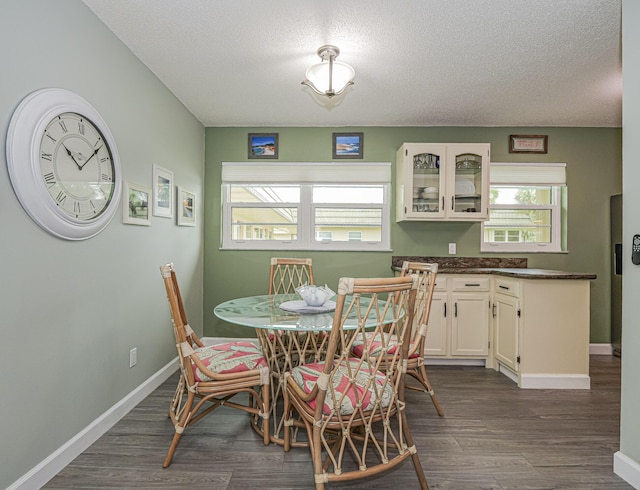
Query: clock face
{"type": "Point", "coordinates": [63, 164]}
{"type": "Point", "coordinates": [76, 166]}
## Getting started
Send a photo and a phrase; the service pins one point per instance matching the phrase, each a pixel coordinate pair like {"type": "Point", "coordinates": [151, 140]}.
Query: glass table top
{"type": "Point", "coordinates": [264, 312]}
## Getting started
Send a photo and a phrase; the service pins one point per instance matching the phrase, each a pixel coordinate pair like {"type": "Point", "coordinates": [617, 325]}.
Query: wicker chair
{"type": "Point", "coordinates": [415, 361]}
{"type": "Point", "coordinates": [211, 376]}
{"type": "Point", "coordinates": [286, 274]}
{"type": "Point", "coordinates": [353, 409]}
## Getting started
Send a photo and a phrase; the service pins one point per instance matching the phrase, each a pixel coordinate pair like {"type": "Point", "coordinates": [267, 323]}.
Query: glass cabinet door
{"type": "Point", "coordinates": [466, 195]}
{"type": "Point", "coordinates": [427, 183]}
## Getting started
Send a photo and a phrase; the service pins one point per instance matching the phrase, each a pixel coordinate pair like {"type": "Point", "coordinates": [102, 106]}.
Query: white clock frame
{"type": "Point", "coordinates": [25, 132]}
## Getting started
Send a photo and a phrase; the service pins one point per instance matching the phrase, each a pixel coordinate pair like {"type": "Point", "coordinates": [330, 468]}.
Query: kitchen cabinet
{"type": "Point", "coordinates": [442, 181]}
{"type": "Point", "coordinates": [459, 321]}
{"type": "Point", "coordinates": [506, 315]}
{"type": "Point", "coordinates": [436, 343]}
{"type": "Point", "coordinates": [541, 332]}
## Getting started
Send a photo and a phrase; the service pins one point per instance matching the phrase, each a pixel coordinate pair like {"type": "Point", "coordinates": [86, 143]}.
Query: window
{"type": "Point", "coordinates": [306, 206]}
{"type": "Point", "coordinates": [525, 211]}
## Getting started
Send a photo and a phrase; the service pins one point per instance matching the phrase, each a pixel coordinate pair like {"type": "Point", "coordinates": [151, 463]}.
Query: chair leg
{"type": "Point", "coordinates": [266, 426]}
{"type": "Point", "coordinates": [316, 454]}
{"type": "Point", "coordinates": [179, 428]}
{"type": "Point", "coordinates": [287, 417]}
{"type": "Point", "coordinates": [414, 455]}
{"type": "Point", "coordinates": [421, 376]}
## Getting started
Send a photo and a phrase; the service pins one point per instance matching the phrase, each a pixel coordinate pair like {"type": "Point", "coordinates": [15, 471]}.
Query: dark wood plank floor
{"type": "Point", "coordinates": [493, 436]}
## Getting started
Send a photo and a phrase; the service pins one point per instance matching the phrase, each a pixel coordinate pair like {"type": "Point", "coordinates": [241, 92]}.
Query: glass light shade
{"type": "Point", "coordinates": [317, 77]}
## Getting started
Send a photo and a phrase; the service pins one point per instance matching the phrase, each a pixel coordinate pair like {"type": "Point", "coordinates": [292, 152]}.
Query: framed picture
{"type": "Point", "coordinates": [528, 143]}
{"type": "Point", "coordinates": [186, 207]}
{"type": "Point", "coordinates": [348, 145]}
{"type": "Point", "coordinates": [263, 145]}
{"type": "Point", "coordinates": [135, 206]}
{"type": "Point", "coordinates": [162, 192]}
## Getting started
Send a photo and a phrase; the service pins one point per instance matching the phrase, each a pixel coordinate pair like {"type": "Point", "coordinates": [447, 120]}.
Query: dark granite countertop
{"type": "Point", "coordinates": [490, 265]}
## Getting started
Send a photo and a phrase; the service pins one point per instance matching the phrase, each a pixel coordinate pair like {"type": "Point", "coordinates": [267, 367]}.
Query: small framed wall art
{"type": "Point", "coordinates": [162, 192]}
{"type": "Point", "coordinates": [263, 145]}
{"type": "Point", "coordinates": [348, 145]}
{"type": "Point", "coordinates": [135, 208]}
{"type": "Point", "coordinates": [186, 207]}
{"type": "Point", "coordinates": [528, 143]}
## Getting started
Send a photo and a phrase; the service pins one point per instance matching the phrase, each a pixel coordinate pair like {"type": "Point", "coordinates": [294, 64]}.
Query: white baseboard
{"type": "Point", "coordinates": [555, 381]}
{"type": "Point", "coordinates": [508, 373]}
{"type": "Point", "coordinates": [627, 469]}
{"type": "Point", "coordinates": [56, 461]}
{"type": "Point", "coordinates": [601, 349]}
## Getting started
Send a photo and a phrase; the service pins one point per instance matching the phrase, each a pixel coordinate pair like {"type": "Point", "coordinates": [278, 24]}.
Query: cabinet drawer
{"type": "Point", "coordinates": [470, 284]}
{"type": "Point", "coordinates": [441, 284]}
{"type": "Point", "coordinates": [510, 287]}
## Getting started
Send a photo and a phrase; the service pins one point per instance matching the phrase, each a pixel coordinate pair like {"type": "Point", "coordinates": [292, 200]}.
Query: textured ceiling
{"type": "Point", "coordinates": [417, 62]}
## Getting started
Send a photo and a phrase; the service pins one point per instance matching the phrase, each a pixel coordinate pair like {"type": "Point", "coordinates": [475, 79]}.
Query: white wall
{"type": "Point", "coordinates": [71, 311]}
{"type": "Point", "coordinates": [627, 462]}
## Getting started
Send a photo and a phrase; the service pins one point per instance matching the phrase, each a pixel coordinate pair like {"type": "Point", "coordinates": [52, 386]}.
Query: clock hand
{"type": "Point", "coordinates": [91, 156]}
{"type": "Point", "coordinates": [72, 157]}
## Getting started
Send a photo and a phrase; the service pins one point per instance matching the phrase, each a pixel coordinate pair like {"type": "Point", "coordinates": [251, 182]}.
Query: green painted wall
{"type": "Point", "coordinates": [593, 157]}
{"type": "Point", "coordinates": [71, 311]}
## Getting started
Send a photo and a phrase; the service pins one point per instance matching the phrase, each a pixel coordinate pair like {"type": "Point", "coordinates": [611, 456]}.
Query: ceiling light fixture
{"type": "Point", "coordinates": [329, 77]}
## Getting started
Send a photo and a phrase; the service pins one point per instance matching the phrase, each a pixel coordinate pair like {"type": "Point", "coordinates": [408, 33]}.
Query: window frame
{"type": "Point", "coordinates": [550, 175]}
{"type": "Point", "coordinates": [306, 236]}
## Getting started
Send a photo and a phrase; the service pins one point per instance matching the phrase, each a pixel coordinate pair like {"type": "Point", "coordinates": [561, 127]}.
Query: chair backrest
{"type": "Point", "coordinates": [286, 274]}
{"type": "Point", "coordinates": [186, 339]}
{"type": "Point", "coordinates": [426, 273]}
{"type": "Point", "coordinates": [364, 306]}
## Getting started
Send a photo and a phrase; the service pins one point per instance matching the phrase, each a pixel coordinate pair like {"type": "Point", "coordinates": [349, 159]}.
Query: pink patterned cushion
{"type": "Point", "coordinates": [306, 376]}
{"type": "Point", "coordinates": [232, 357]}
{"type": "Point", "coordinates": [374, 339]}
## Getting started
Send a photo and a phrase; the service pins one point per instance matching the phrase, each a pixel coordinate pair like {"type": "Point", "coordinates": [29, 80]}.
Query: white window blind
{"type": "Point", "coordinates": [528, 173]}
{"type": "Point", "coordinates": [307, 172]}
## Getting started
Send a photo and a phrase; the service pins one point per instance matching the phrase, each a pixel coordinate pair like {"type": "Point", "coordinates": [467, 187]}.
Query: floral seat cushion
{"type": "Point", "coordinates": [231, 357]}
{"type": "Point", "coordinates": [377, 343]}
{"type": "Point", "coordinates": [306, 377]}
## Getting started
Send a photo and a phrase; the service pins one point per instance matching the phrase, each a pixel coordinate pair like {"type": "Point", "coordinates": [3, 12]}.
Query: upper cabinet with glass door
{"type": "Point", "coordinates": [437, 181]}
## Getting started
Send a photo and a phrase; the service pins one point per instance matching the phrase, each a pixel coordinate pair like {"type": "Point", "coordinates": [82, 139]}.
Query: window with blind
{"type": "Point", "coordinates": [525, 209]}
{"type": "Point", "coordinates": [306, 206]}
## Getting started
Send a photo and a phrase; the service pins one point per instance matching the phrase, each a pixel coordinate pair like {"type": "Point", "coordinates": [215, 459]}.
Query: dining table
{"type": "Point", "coordinates": [290, 334]}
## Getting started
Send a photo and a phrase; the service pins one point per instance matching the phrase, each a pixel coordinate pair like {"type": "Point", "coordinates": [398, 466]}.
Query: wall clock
{"type": "Point", "coordinates": [63, 164]}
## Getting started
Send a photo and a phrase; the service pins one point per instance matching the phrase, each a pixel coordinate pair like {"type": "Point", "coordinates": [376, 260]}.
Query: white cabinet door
{"type": "Point", "coordinates": [506, 330]}
{"type": "Point", "coordinates": [470, 324]}
{"type": "Point", "coordinates": [420, 181]}
{"type": "Point", "coordinates": [437, 331]}
{"type": "Point", "coordinates": [467, 181]}
{"type": "Point", "coordinates": [436, 181]}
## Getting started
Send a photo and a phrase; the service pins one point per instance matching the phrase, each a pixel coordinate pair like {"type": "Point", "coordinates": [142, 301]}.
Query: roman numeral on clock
{"type": "Point", "coordinates": [50, 179]}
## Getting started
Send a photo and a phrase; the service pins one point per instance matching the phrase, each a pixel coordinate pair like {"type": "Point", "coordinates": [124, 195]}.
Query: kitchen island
{"type": "Point", "coordinates": [530, 324]}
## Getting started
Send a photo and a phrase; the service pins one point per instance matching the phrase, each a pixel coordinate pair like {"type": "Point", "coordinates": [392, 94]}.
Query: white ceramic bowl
{"type": "Point", "coordinates": [315, 295]}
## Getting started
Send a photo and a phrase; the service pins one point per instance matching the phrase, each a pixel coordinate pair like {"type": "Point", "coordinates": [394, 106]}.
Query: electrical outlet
{"type": "Point", "coordinates": [452, 248]}
{"type": "Point", "coordinates": [133, 357]}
